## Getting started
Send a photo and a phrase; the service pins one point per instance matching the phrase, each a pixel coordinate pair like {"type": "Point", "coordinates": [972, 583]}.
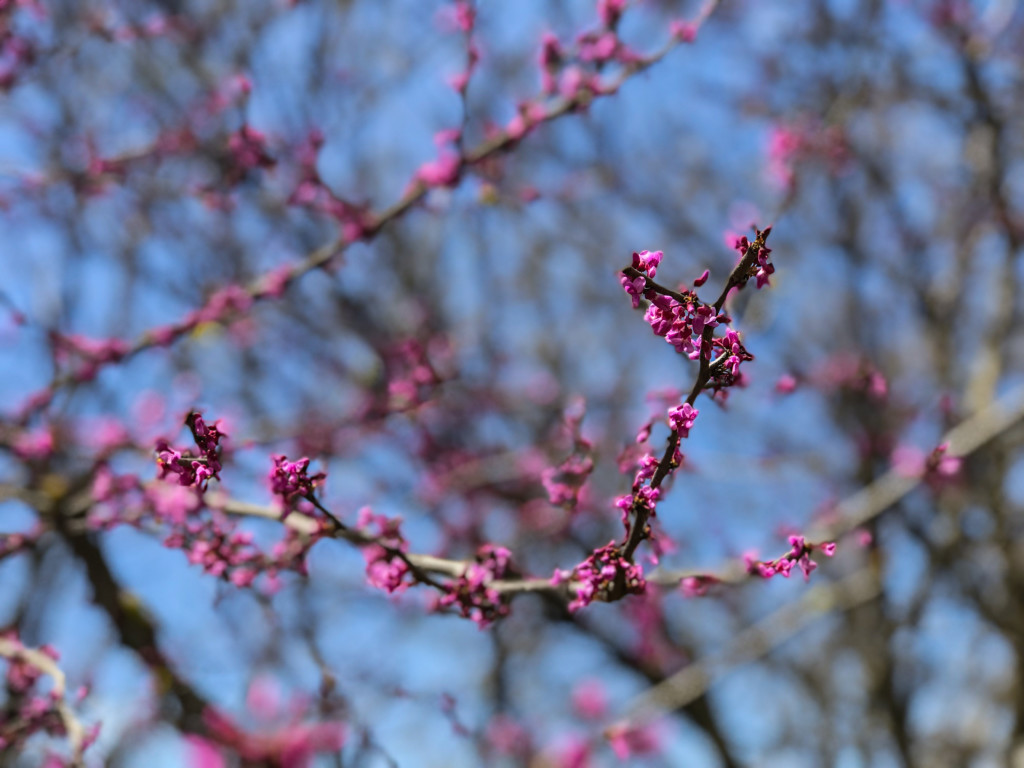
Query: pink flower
{"type": "Point", "coordinates": [683, 31]}
{"type": "Point", "coordinates": [565, 483]}
{"type": "Point", "coordinates": [937, 469]}
{"type": "Point", "coordinates": [609, 11]}
{"type": "Point", "coordinates": [292, 746]}
{"type": "Point", "coordinates": [647, 261]}
{"type": "Point", "coordinates": [105, 433]}
{"type": "Point", "coordinates": [444, 171]}
{"type": "Point", "coordinates": [589, 700]}
{"type": "Point", "coordinates": [942, 466]}
{"type": "Point", "coordinates": [508, 737]}
{"type": "Point", "coordinates": [807, 566]}
{"type": "Point", "coordinates": [384, 570]}
{"type": "Point", "coordinates": [575, 753]}
{"type": "Point", "coordinates": [634, 287]}
{"type": "Point", "coordinates": [194, 471]}
{"type": "Point", "coordinates": [550, 51]}
{"type": "Point", "coordinates": [204, 754]}
{"type": "Point", "coordinates": [648, 465]}
{"type": "Point", "coordinates": [648, 497]}
{"type": "Point", "coordinates": [291, 478]}
{"type": "Point", "coordinates": [243, 577]}
{"type": "Point", "coordinates": [572, 82]}
{"type": "Point", "coordinates": [34, 445]}
{"type": "Point", "coordinates": [263, 699]}
{"type": "Point", "coordinates": [473, 592]}
{"type": "Point", "coordinates": [628, 741]}
{"type": "Point", "coordinates": [248, 149]}
{"type": "Point", "coordinates": [601, 571]}
{"type": "Point", "coordinates": [877, 387]}
{"type": "Point", "coordinates": [784, 144]}
{"type": "Point", "coordinates": [598, 48]}
{"type": "Point", "coordinates": [276, 280]}
{"type": "Point", "coordinates": [696, 586]}
{"type": "Point", "coordinates": [459, 81]}
{"type": "Point", "coordinates": [908, 461]}
{"type": "Point", "coordinates": [681, 418]}
{"type": "Point", "coordinates": [703, 315]}
{"type": "Point", "coordinates": [464, 16]}
{"type": "Point", "coordinates": [785, 384]}
{"type": "Point", "coordinates": [227, 300]}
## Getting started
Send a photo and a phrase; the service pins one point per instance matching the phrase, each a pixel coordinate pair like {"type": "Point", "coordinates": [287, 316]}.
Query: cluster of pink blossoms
{"type": "Point", "coordinates": [230, 554]}
{"type": "Point", "coordinates": [193, 470]}
{"type": "Point", "coordinates": [728, 373]}
{"type": "Point", "coordinates": [788, 143]}
{"type": "Point", "coordinates": [604, 573]}
{"type": "Point", "coordinates": [412, 376]}
{"type": "Point", "coordinates": [627, 740]}
{"type": "Point", "coordinates": [214, 543]}
{"type": "Point", "coordinates": [576, 76]}
{"type": "Point", "coordinates": [93, 350]}
{"type": "Point", "coordinates": [687, 323]}
{"type": "Point", "coordinates": [231, 301]}
{"type": "Point", "coordinates": [636, 285]}
{"type": "Point", "coordinates": [17, 52]}
{"type": "Point", "coordinates": [33, 444]}
{"type": "Point", "coordinates": [679, 318]}
{"type": "Point", "coordinates": [760, 267]}
{"type": "Point", "coordinates": [473, 592]}
{"type": "Point", "coordinates": [643, 495]}
{"type": "Point", "coordinates": [937, 468]}
{"type": "Point", "coordinates": [565, 482]}
{"type": "Point", "coordinates": [29, 710]}
{"type": "Point", "coordinates": [85, 355]}
{"type": "Point", "coordinates": [697, 586]}
{"type": "Point", "coordinates": [289, 479]}
{"type": "Point", "coordinates": [295, 744]}
{"type": "Point", "coordinates": [248, 150]}
{"type": "Point", "coordinates": [88, 356]}
{"type": "Point", "coordinates": [569, 81]}
{"type": "Point", "coordinates": [385, 568]}
{"type": "Point", "coordinates": [799, 555]}
{"type": "Point", "coordinates": [311, 192]}
{"type": "Point", "coordinates": [646, 464]}
{"type": "Point", "coordinates": [447, 168]}
{"type": "Point", "coordinates": [681, 418]}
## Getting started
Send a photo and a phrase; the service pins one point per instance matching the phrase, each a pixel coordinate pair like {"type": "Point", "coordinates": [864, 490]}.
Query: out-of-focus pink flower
{"type": "Point", "coordinates": [589, 699]}
{"type": "Point", "coordinates": [786, 384]}
{"type": "Point", "coordinates": [629, 741]}
{"type": "Point", "coordinates": [203, 754]}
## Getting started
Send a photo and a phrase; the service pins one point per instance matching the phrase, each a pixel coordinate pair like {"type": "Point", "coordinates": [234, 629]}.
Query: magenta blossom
{"type": "Point", "coordinates": [193, 470]}
{"type": "Point", "coordinates": [473, 592]}
{"type": "Point", "coordinates": [289, 479]}
{"type": "Point", "coordinates": [681, 418]}
{"type": "Point", "coordinates": [647, 261]}
{"type": "Point", "coordinates": [602, 572]}
{"type": "Point", "coordinates": [634, 286]}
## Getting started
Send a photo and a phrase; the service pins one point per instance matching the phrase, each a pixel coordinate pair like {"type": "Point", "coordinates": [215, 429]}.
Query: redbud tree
{"type": "Point", "coordinates": [526, 384]}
